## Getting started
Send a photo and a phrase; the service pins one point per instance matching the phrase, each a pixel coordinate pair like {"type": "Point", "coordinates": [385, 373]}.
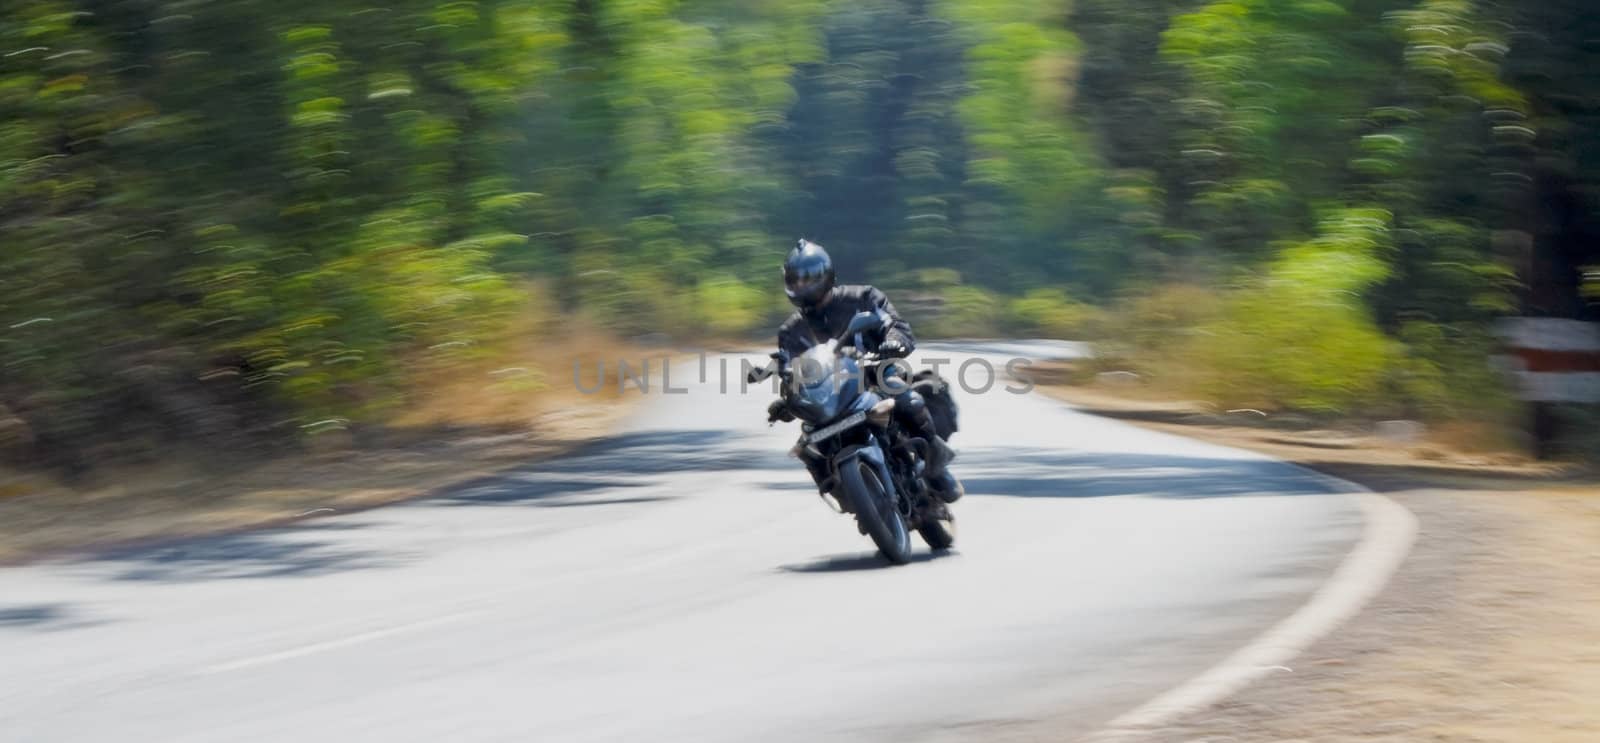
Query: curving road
{"type": "Point", "coordinates": [681, 582]}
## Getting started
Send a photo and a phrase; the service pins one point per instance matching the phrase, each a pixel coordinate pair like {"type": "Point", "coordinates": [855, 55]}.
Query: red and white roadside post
{"type": "Point", "coordinates": [1554, 361]}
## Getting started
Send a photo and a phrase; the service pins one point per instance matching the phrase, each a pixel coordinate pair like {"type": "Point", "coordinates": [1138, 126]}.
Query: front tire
{"type": "Point", "coordinates": [876, 512]}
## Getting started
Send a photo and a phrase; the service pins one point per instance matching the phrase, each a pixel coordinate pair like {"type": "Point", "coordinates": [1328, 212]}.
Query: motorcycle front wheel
{"type": "Point", "coordinates": [876, 512]}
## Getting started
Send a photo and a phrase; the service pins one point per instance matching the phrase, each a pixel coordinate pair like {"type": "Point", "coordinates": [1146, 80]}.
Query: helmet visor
{"type": "Point", "coordinates": [806, 283]}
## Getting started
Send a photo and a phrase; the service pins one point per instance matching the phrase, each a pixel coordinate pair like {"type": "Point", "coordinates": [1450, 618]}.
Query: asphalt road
{"type": "Point", "coordinates": [682, 582]}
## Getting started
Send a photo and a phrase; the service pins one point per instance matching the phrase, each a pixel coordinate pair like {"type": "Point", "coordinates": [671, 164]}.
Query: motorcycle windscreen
{"type": "Point", "coordinates": [820, 392]}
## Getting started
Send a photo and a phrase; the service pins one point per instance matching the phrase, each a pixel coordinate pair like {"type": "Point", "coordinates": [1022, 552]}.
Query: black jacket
{"type": "Point", "coordinates": [805, 329]}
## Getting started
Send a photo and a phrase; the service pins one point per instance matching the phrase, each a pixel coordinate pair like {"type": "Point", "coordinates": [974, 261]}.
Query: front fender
{"type": "Point", "coordinates": [873, 456]}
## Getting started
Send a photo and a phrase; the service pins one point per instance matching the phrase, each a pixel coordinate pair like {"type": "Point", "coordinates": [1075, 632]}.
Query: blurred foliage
{"type": "Point", "coordinates": [1300, 337]}
{"type": "Point", "coordinates": [1360, 186]}
{"type": "Point", "coordinates": [1050, 313]}
{"type": "Point", "coordinates": [237, 218]}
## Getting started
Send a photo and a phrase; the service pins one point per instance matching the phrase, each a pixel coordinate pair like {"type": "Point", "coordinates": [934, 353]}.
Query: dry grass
{"type": "Point", "coordinates": [523, 376]}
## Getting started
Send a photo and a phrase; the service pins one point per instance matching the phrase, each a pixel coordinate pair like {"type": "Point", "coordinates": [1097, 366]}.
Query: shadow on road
{"type": "Point", "coordinates": [524, 488]}
{"type": "Point", "coordinates": [1044, 473]}
{"type": "Point", "coordinates": [609, 501]}
{"type": "Point", "coordinates": [655, 452]}
{"type": "Point", "coordinates": [43, 617]}
{"type": "Point", "coordinates": [802, 482]}
{"type": "Point", "coordinates": [619, 462]}
{"type": "Point", "coordinates": [857, 561]}
{"type": "Point", "coordinates": [613, 471]}
{"type": "Point", "coordinates": [600, 474]}
{"type": "Point", "coordinates": [303, 550]}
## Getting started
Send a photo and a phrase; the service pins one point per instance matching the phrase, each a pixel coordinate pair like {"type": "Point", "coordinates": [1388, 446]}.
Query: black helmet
{"type": "Point", "coordinates": [807, 275]}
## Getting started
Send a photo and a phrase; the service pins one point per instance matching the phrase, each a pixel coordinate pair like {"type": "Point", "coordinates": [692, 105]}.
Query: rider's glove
{"type": "Point", "coordinates": [756, 375]}
{"type": "Point", "coordinates": [893, 347]}
{"type": "Point", "coordinates": [779, 411]}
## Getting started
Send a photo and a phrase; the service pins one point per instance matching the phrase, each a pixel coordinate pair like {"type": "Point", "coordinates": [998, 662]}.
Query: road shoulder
{"type": "Point", "coordinates": [41, 518]}
{"type": "Point", "coordinates": [1486, 633]}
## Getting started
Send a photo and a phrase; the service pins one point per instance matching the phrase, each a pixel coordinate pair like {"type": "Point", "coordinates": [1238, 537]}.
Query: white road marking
{"type": "Point", "coordinates": [1390, 530]}
{"type": "Point", "coordinates": [317, 647]}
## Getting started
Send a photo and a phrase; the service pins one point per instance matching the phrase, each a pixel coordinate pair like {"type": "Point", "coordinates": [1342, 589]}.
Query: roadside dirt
{"type": "Point", "coordinates": [1490, 631]}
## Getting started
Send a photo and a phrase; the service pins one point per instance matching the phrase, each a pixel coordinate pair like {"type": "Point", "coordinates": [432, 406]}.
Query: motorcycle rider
{"type": "Point", "coordinates": [822, 310]}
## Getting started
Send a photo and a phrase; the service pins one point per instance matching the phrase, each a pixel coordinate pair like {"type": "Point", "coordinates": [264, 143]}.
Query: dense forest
{"type": "Point", "coordinates": [272, 216]}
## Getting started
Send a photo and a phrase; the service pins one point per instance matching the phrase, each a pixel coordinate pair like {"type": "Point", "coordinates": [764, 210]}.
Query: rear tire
{"type": "Point", "coordinates": [877, 513]}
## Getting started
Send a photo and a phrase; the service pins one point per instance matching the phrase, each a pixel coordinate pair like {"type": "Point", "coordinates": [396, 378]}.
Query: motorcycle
{"type": "Point", "coordinates": [842, 396]}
